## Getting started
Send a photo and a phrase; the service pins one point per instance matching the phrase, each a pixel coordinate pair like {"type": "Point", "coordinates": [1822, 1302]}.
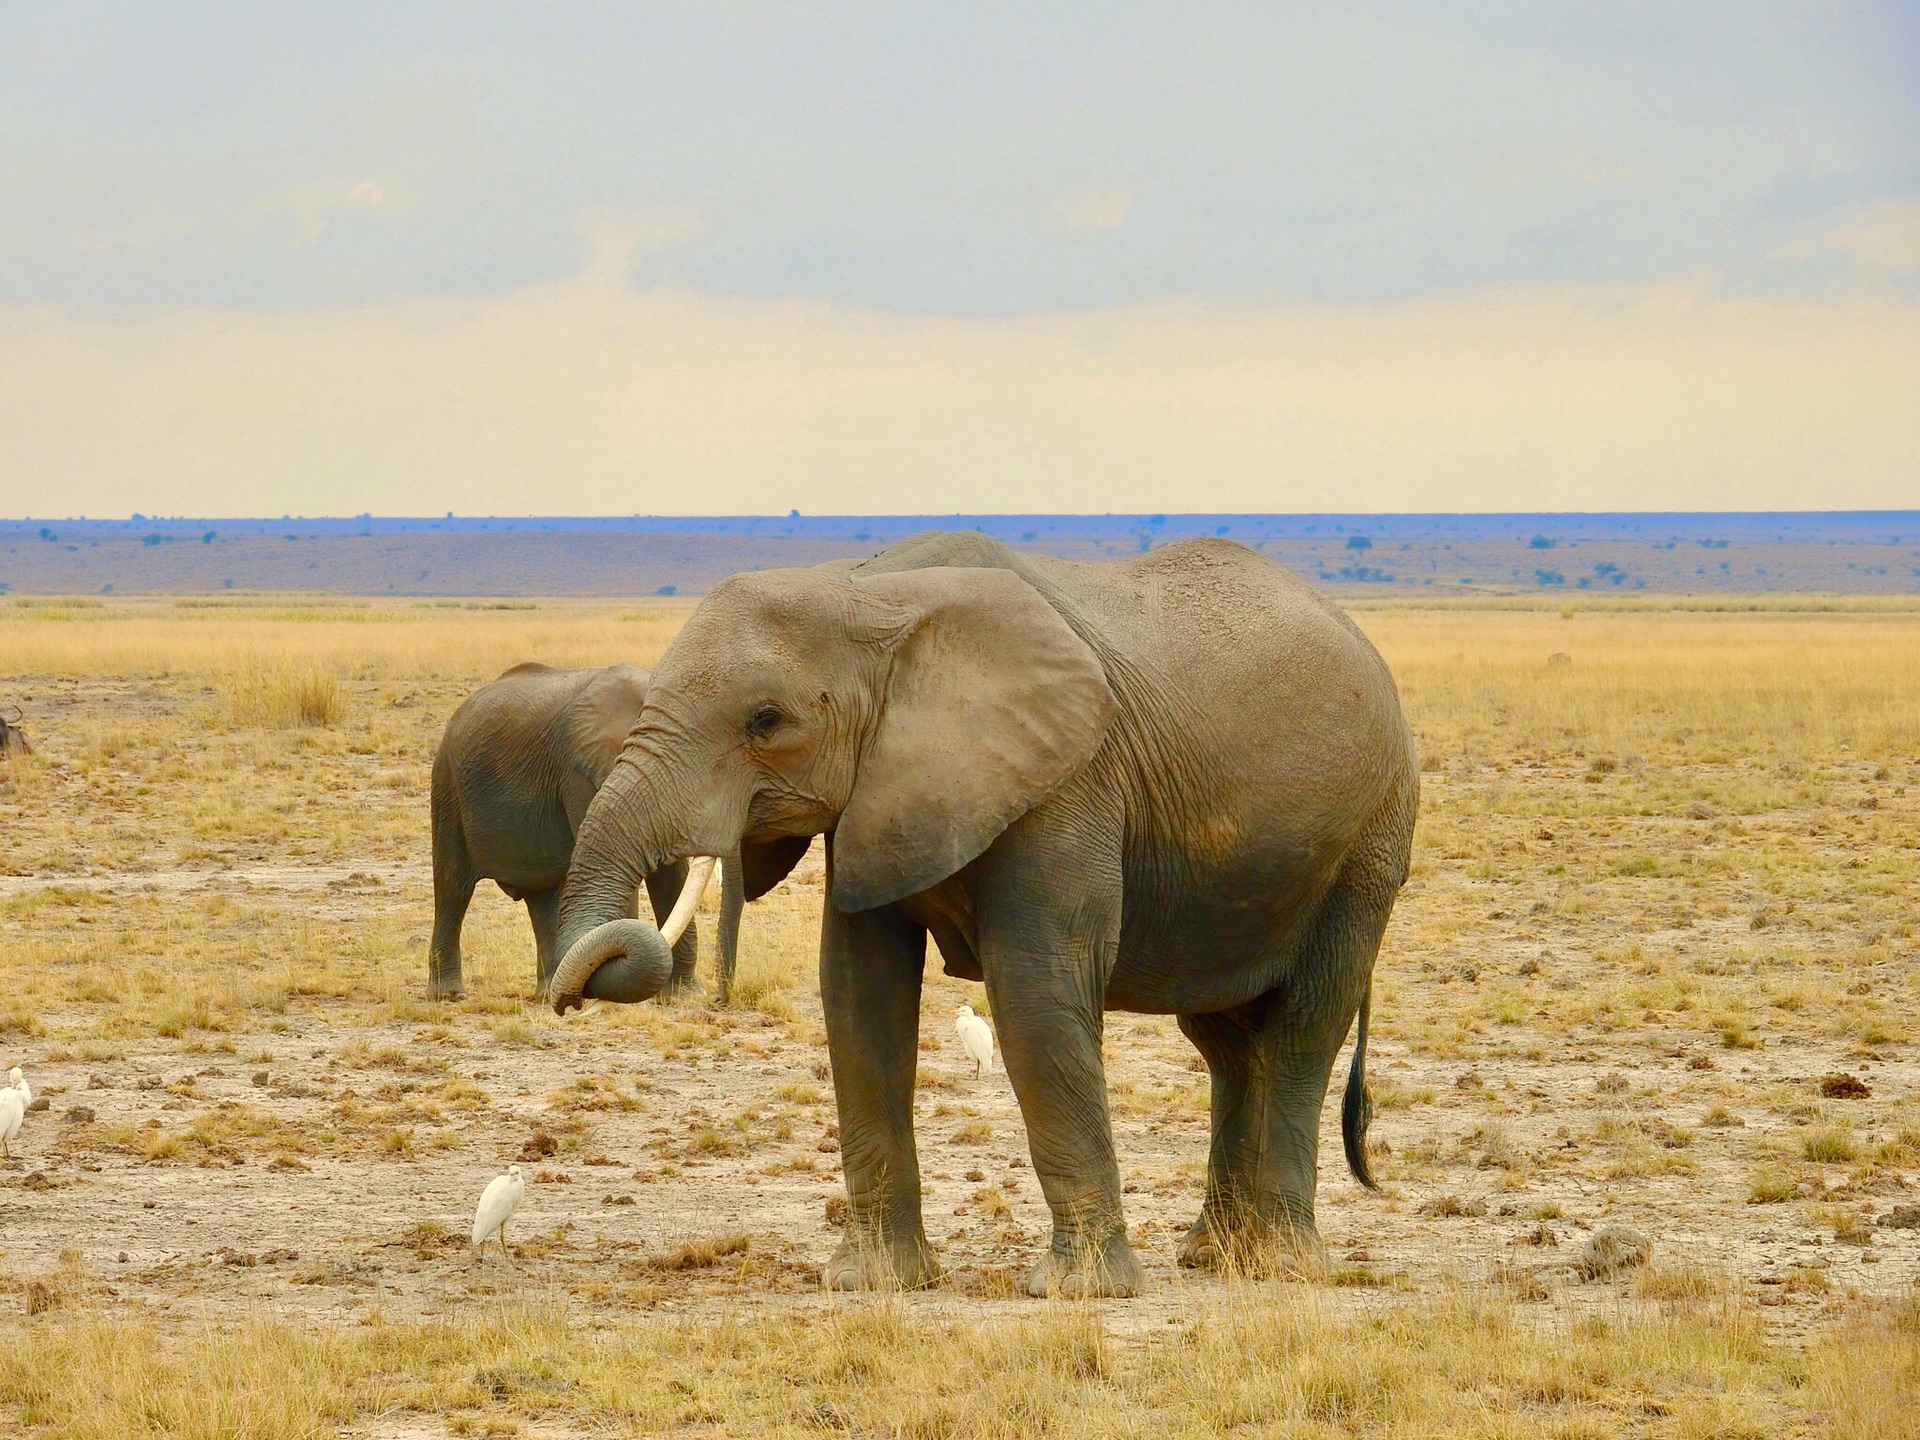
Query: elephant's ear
{"type": "Point", "coordinates": [598, 720]}
{"type": "Point", "coordinates": [766, 864]}
{"type": "Point", "coordinates": [992, 702]}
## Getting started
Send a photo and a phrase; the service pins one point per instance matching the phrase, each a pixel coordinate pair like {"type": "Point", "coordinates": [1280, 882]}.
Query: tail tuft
{"type": "Point", "coordinates": [1356, 1109]}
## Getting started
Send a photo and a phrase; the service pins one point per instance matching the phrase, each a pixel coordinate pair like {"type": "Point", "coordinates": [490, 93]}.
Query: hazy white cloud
{"type": "Point", "coordinates": [947, 159]}
{"type": "Point", "coordinates": [1091, 212]}
{"type": "Point", "coordinates": [1884, 236]}
{"type": "Point", "coordinates": [587, 396]}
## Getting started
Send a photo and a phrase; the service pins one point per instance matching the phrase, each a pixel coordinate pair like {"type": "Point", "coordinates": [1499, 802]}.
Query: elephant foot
{"type": "Point", "coordinates": [1077, 1270]}
{"type": "Point", "coordinates": [1254, 1245]}
{"type": "Point", "coordinates": [683, 990]}
{"type": "Point", "coordinates": [446, 989]}
{"type": "Point", "coordinates": [903, 1264]}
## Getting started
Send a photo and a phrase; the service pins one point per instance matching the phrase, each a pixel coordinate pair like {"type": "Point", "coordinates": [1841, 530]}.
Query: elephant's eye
{"type": "Point", "coordinates": [763, 721]}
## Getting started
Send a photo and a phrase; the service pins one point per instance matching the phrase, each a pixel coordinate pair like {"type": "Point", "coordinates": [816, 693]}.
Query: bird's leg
{"type": "Point", "coordinates": [505, 1253]}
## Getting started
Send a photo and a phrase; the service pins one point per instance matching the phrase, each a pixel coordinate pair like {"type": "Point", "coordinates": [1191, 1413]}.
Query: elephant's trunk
{"type": "Point", "coordinates": [606, 954]}
{"type": "Point", "coordinates": [627, 961]}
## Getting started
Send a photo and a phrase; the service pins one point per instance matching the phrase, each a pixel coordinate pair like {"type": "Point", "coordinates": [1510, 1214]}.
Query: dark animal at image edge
{"type": "Point", "coordinates": [1180, 783]}
{"type": "Point", "coordinates": [13, 740]}
{"type": "Point", "coordinates": [517, 767]}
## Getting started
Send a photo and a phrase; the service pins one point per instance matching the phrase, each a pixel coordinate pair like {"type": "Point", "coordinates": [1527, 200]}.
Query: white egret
{"type": "Point", "coordinates": [976, 1038]}
{"type": "Point", "coordinates": [13, 1109]}
{"type": "Point", "coordinates": [497, 1203]}
{"type": "Point", "coordinates": [19, 1082]}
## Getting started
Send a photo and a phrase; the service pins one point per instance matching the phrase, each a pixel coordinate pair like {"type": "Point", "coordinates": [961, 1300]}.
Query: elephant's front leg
{"type": "Point", "coordinates": [1048, 896]}
{"type": "Point", "coordinates": [733, 899]}
{"type": "Point", "coordinates": [543, 909]}
{"type": "Point", "coordinates": [454, 879]}
{"type": "Point", "coordinates": [870, 967]}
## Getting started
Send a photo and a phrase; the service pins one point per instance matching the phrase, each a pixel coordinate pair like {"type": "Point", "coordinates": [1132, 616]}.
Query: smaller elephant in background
{"type": "Point", "coordinates": [518, 764]}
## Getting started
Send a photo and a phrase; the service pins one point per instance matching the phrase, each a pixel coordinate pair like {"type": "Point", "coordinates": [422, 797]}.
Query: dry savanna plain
{"type": "Point", "coordinates": [1657, 967]}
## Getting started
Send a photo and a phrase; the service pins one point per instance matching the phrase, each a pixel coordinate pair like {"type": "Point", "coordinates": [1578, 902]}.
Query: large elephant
{"type": "Point", "coordinates": [518, 764]}
{"type": "Point", "coordinates": [1180, 783]}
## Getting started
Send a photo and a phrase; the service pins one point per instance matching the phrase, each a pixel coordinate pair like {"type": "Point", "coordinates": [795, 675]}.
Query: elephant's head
{"type": "Point", "coordinates": [915, 714]}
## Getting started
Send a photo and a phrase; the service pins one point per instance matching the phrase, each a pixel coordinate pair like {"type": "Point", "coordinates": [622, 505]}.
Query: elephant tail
{"type": "Point", "coordinates": [1356, 1109]}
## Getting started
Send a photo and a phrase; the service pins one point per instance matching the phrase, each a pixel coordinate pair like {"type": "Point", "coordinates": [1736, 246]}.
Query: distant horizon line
{"type": "Point", "coordinates": [818, 517]}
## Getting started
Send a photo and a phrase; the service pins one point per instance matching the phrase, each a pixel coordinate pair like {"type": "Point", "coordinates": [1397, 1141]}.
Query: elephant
{"type": "Point", "coordinates": [1180, 783]}
{"type": "Point", "coordinates": [517, 766]}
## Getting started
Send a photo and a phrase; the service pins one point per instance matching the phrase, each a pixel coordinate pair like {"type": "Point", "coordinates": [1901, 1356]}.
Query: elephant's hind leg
{"type": "Point", "coordinates": [1270, 1064]}
{"type": "Point", "coordinates": [1229, 1042]}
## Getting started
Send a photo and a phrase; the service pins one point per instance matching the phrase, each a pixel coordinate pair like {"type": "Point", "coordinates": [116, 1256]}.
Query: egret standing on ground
{"type": "Point", "coordinates": [13, 1109]}
{"type": "Point", "coordinates": [976, 1038]}
{"type": "Point", "coordinates": [497, 1204]}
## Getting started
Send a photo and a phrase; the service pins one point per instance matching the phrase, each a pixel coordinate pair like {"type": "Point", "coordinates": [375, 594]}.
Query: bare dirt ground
{"type": "Point", "coordinates": [1675, 991]}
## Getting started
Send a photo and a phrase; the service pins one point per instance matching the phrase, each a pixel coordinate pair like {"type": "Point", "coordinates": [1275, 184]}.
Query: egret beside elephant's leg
{"type": "Point", "coordinates": [870, 968]}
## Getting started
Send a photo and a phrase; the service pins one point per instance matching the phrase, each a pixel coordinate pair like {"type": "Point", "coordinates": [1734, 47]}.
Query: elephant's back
{"type": "Point", "coordinates": [1275, 722]}
{"type": "Point", "coordinates": [507, 713]}
{"type": "Point", "coordinates": [1250, 649]}
{"type": "Point", "coordinates": [502, 770]}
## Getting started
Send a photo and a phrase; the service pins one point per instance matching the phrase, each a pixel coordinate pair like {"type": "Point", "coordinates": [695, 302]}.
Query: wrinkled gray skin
{"type": "Point", "coordinates": [1179, 783]}
{"type": "Point", "coordinates": [518, 765]}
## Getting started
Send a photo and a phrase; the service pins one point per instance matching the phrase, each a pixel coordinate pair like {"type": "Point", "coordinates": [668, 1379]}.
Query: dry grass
{"type": "Point", "coordinates": [1660, 681]}
{"type": "Point", "coordinates": [283, 699]}
{"type": "Point", "coordinates": [1259, 1360]}
{"type": "Point", "coordinates": [408, 639]}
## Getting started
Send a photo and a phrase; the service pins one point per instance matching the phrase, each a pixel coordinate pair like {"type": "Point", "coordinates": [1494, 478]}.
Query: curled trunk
{"type": "Point", "coordinates": [607, 954]}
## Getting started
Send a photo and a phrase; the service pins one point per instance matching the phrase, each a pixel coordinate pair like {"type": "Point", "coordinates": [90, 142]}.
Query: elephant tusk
{"type": "Point", "coordinates": [698, 873]}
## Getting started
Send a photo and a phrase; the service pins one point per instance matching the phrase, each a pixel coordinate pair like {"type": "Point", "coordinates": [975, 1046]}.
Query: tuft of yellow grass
{"type": "Point", "coordinates": [283, 698]}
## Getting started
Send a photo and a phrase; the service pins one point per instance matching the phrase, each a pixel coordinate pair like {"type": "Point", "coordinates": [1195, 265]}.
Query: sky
{"type": "Point", "coordinates": [742, 258]}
